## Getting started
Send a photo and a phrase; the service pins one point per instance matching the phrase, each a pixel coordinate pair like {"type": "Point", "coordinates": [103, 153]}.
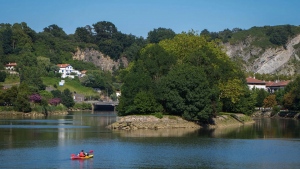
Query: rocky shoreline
{"type": "Point", "coordinates": [31, 114]}
{"type": "Point", "coordinates": [135, 122]}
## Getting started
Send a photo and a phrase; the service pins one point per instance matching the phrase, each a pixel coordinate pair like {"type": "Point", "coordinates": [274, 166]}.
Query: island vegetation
{"type": "Point", "coordinates": [186, 74]}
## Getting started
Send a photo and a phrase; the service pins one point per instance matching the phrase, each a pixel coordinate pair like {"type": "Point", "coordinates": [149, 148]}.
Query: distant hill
{"type": "Point", "coordinates": [265, 50]}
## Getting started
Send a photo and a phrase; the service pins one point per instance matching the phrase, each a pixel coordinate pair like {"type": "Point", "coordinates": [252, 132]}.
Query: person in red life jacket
{"type": "Point", "coordinates": [82, 154]}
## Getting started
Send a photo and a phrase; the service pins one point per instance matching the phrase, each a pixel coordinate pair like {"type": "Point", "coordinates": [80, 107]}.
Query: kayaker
{"type": "Point", "coordinates": [82, 154]}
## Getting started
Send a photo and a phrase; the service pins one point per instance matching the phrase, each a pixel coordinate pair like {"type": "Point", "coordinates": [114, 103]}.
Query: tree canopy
{"type": "Point", "coordinates": [187, 76]}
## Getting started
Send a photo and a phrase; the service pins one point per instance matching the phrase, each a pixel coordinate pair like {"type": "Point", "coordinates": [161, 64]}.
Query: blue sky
{"type": "Point", "coordinates": [138, 17]}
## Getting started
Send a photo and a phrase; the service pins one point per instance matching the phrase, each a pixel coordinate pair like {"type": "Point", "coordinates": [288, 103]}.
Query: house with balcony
{"type": "Point", "coordinates": [67, 70]}
{"type": "Point", "coordinates": [11, 66]}
{"type": "Point", "coordinates": [270, 86]}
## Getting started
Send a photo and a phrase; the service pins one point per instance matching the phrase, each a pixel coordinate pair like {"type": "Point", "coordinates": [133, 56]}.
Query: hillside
{"type": "Point", "coordinates": [263, 50]}
{"type": "Point", "coordinates": [257, 54]}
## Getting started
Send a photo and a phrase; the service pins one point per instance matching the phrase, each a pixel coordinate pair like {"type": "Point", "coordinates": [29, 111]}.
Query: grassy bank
{"type": "Point", "coordinates": [71, 84]}
{"type": "Point", "coordinates": [231, 119]}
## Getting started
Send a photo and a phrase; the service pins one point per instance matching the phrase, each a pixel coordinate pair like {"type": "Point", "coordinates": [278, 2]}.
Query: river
{"type": "Point", "coordinates": [48, 143]}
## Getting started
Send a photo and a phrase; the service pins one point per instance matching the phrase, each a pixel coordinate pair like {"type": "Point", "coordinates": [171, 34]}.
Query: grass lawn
{"type": "Point", "coordinates": [11, 80]}
{"type": "Point", "coordinates": [71, 84]}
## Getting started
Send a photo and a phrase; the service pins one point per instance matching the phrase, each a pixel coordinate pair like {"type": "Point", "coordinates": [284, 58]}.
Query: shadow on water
{"type": "Point", "coordinates": [263, 128]}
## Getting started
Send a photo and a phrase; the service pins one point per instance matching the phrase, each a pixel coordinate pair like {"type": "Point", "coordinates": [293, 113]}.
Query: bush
{"type": "Point", "coordinates": [61, 107]}
{"type": "Point", "coordinates": [6, 108]}
{"type": "Point", "coordinates": [38, 109]}
{"type": "Point", "coordinates": [173, 117]}
{"type": "Point", "coordinates": [158, 115]}
{"type": "Point", "coordinates": [82, 106]}
{"type": "Point", "coordinates": [275, 110]}
{"type": "Point", "coordinates": [2, 76]}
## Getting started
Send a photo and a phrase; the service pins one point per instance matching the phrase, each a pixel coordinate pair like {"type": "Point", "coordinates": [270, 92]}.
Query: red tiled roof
{"type": "Point", "coordinates": [254, 81]}
{"type": "Point", "coordinates": [63, 65]}
{"type": "Point", "coordinates": [277, 84]}
{"type": "Point", "coordinates": [11, 64]}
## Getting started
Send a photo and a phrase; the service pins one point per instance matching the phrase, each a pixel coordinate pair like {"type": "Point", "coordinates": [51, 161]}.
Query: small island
{"type": "Point", "coordinates": [135, 122]}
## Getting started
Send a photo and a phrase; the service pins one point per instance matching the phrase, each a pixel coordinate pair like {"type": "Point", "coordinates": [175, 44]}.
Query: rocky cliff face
{"type": "Point", "coordinates": [267, 61]}
{"type": "Point", "coordinates": [99, 59]}
{"type": "Point", "coordinates": [258, 60]}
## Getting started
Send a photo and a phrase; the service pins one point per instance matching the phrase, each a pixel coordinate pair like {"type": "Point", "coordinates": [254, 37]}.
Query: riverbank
{"type": "Point", "coordinates": [31, 114]}
{"type": "Point", "coordinates": [134, 122]}
{"type": "Point", "coordinates": [232, 120]}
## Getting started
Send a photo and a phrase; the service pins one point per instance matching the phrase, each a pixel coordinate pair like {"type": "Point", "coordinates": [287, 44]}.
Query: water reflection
{"type": "Point", "coordinates": [73, 126]}
{"type": "Point", "coordinates": [160, 133]}
{"type": "Point", "coordinates": [264, 128]}
{"type": "Point", "coordinates": [246, 146]}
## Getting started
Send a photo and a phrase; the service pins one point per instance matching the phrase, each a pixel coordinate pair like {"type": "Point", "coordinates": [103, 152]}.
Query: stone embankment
{"type": "Point", "coordinates": [31, 114]}
{"type": "Point", "coordinates": [231, 120]}
{"type": "Point", "coordinates": [282, 114]}
{"type": "Point", "coordinates": [135, 122]}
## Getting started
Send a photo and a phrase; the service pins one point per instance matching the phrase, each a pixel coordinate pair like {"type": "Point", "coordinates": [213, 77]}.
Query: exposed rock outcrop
{"type": "Point", "coordinates": [99, 59]}
{"type": "Point", "coordinates": [270, 60]}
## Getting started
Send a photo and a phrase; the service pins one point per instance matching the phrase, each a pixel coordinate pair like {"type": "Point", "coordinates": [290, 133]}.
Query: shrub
{"type": "Point", "coordinates": [54, 101]}
{"type": "Point", "coordinates": [158, 115]}
{"type": "Point", "coordinates": [36, 98]}
{"type": "Point", "coordinates": [38, 109]}
{"type": "Point", "coordinates": [172, 117]}
{"type": "Point", "coordinates": [82, 106]}
{"type": "Point", "coordinates": [275, 110]}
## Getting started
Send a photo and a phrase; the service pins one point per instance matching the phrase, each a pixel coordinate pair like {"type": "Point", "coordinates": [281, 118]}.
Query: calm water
{"type": "Point", "coordinates": [48, 143]}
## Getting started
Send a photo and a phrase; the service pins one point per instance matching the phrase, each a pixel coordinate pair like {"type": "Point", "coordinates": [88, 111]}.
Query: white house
{"type": "Point", "coordinates": [66, 70]}
{"type": "Point", "coordinates": [10, 66]}
{"type": "Point", "coordinates": [255, 83]}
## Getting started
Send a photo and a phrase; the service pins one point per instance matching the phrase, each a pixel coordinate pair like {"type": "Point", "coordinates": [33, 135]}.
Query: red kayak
{"type": "Point", "coordinates": [88, 156]}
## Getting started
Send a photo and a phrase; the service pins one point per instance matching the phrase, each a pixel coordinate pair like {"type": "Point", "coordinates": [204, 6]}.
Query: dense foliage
{"type": "Point", "coordinates": [267, 36]}
{"type": "Point", "coordinates": [186, 76]}
{"type": "Point", "coordinates": [182, 74]}
{"type": "Point", "coordinates": [291, 99]}
{"type": "Point", "coordinates": [37, 55]}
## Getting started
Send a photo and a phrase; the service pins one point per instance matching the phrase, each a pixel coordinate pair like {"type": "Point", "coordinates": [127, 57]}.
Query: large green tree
{"type": "Point", "coordinates": [291, 98]}
{"type": "Point", "coordinates": [159, 34]}
{"type": "Point", "coordinates": [32, 77]}
{"type": "Point", "coordinates": [84, 34]}
{"type": "Point", "coordinates": [22, 103]}
{"type": "Point", "coordinates": [261, 94]}
{"type": "Point", "coordinates": [56, 31]}
{"type": "Point", "coordinates": [185, 91]}
{"type": "Point", "coordinates": [227, 81]}
{"type": "Point", "coordinates": [2, 76]}
{"type": "Point", "coordinates": [67, 98]}
{"type": "Point", "coordinates": [140, 80]}
{"type": "Point", "coordinates": [156, 61]}
{"type": "Point", "coordinates": [136, 80]}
